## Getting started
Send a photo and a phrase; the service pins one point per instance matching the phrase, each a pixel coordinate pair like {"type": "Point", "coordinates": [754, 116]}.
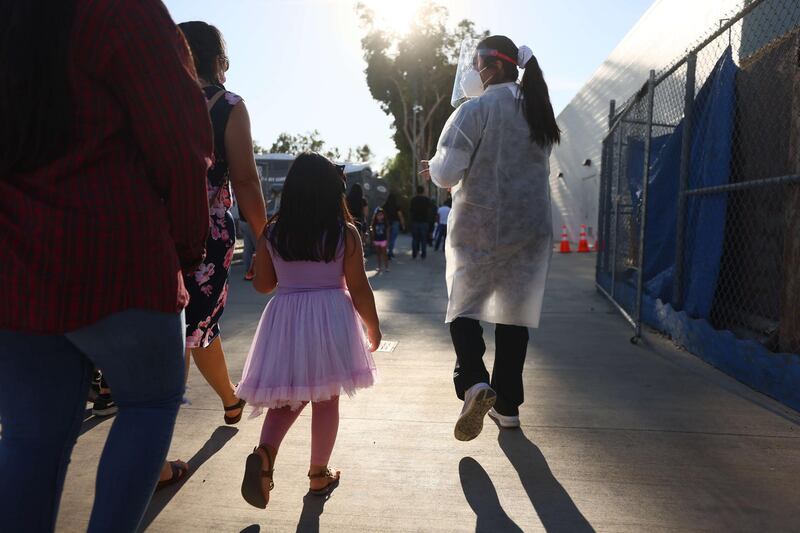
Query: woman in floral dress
{"type": "Point", "coordinates": [233, 165]}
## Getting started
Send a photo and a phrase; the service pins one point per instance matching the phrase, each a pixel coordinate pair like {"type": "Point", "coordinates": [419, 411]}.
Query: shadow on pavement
{"type": "Point", "coordinates": [255, 528]}
{"type": "Point", "coordinates": [313, 507]}
{"type": "Point", "coordinates": [482, 497]}
{"type": "Point", "coordinates": [556, 510]}
{"type": "Point", "coordinates": [161, 499]}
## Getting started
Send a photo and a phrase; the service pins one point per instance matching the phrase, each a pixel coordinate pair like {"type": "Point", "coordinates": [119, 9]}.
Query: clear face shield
{"type": "Point", "coordinates": [465, 86]}
{"type": "Point", "coordinates": [471, 62]}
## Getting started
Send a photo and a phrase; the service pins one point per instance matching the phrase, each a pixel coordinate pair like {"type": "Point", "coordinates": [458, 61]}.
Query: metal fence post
{"type": "Point", "coordinates": [614, 188]}
{"type": "Point", "coordinates": [651, 85]}
{"type": "Point", "coordinates": [686, 166]}
{"type": "Point", "coordinates": [605, 206]}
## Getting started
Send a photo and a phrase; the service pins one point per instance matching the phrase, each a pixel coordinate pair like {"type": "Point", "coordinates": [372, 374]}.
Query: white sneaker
{"type": "Point", "coordinates": [505, 421]}
{"type": "Point", "coordinates": [477, 401]}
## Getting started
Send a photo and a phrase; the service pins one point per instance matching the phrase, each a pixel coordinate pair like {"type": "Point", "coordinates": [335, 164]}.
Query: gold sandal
{"type": "Point", "coordinates": [332, 484]}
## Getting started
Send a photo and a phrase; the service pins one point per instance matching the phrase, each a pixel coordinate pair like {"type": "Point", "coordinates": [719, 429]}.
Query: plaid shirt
{"type": "Point", "coordinates": [110, 224]}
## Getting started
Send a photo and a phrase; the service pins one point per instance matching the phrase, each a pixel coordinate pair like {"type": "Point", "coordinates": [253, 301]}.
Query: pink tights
{"type": "Point", "coordinates": [324, 426]}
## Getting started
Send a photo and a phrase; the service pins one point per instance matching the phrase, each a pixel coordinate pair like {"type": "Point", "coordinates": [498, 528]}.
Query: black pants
{"type": "Point", "coordinates": [511, 343]}
{"type": "Point", "coordinates": [419, 238]}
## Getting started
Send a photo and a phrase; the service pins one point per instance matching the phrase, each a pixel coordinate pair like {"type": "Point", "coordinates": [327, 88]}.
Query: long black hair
{"type": "Point", "coordinates": [355, 201]}
{"type": "Point", "coordinates": [312, 218]}
{"type": "Point", "coordinates": [535, 99]}
{"type": "Point", "coordinates": [207, 46]}
{"type": "Point", "coordinates": [35, 90]}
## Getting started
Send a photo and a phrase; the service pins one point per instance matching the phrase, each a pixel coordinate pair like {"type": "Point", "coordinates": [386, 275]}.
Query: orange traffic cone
{"type": "Point", "coordinates": [565, 249]}
{"type": "Point", "coordinates": [583, 244]}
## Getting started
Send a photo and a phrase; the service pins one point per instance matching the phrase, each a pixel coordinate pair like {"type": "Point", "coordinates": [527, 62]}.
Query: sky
{"type": "Point", "coordinates": [299, 66]}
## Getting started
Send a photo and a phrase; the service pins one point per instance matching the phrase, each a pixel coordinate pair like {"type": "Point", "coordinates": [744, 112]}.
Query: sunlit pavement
{"type": "Point", "coordinates": [615, 437]}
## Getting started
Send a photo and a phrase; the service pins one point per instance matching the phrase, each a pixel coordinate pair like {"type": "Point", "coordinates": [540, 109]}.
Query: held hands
{"type": "Point", "coordinates": [374, 337]}
{"type": "Point", "coordinates": [426, 170]}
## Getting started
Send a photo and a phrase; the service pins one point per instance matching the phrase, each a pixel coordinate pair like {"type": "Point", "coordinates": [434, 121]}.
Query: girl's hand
{"type": "Point", "coordinates": [374, 336]}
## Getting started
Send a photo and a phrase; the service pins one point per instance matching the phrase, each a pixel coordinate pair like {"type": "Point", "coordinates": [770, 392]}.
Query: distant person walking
{"type": "Point", "coordinates": [381, 233]}
{"type": "Point", "coordinates": [496, 147]}
{"type": "Point", "coordinates": [309, 345]}
{"type": "Point", "coordinates": [441, 228]}
{"type": "Point", "coordinates": [396, 220]}
{"type": "Point", "coordinates": [104, 147]}
{"type": "Point", "coordinates": [357, 205]}
{"type": "Point", "coordinates": [420, 215]}
{"type": "Point", "coordinates": [250, 238]}
{"type": "Point", "coordinates": [249, 246]}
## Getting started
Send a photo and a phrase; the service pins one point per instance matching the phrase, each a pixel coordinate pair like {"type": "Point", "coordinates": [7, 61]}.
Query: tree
{"type": "Point", "coordinates": [360, 154]}
{"type": "Point", "coordinates": [412, 77]}
{"type": "Point", "coordinates": [297, 144]}
{"type": "Point", "coordinates": [258, 149]}
{"type": "Point", "coordinates": [287, 143]}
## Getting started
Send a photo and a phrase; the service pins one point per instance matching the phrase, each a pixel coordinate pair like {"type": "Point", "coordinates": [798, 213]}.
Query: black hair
{"type": "Point", "coordinates": [390, 205]}
{"type": "Point", "coordinates": [310, 223]}
{"type": "Point", "coordinates": [355, 201]}
{"type": "Point", "coordinates": [34, 67]}
{"type": "Point", "coordinates": [535, 98]}
{"type": "Point", "coordinates": [207, 46]}
{"type": "Point", "coordinates": [420, 189]}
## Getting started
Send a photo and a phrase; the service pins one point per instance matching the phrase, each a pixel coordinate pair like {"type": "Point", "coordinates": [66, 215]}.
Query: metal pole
{"type": "Point", "coordinates": [605, 191]}
{"type": "Point", "coordinates": [683, 184]}
{"type": "Point", "coordinates": [651, 85]}
{"type": "Point", "coordinates": [414, 162]}
{"type": "Point", "coordinates": [615, 203]}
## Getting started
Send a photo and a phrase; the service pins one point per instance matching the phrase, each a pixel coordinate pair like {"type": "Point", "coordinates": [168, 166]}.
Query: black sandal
{"type": "Point", "coordinates": [179, 472]}
{"type": "Point", "coordinates": [253, 472]}
{"type": "Point", "coordinates": [231, 420]}
{"type": "Point", "coordinates": [332, 484]}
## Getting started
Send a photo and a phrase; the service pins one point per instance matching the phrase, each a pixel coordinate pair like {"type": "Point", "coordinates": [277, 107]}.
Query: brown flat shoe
{"type": "Point", "coordinates": [179, 471]}
{"type": "Point", "coordinates": [231, 420]}
{"type": "Point", "coordinates": [253, 473]}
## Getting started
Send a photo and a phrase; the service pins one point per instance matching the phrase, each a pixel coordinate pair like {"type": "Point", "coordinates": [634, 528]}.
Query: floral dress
{"type": "Point", "coordinates": [208, 284]}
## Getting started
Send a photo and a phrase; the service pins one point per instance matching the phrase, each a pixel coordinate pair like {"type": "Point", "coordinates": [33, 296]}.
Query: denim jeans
{"type": "Point", "coordinates": [441, 236]}
{"type": "Point", "coordinates": [419, 238]}
{"type": "Point", "coordinates": [249, 245]}
{"type": "Point", "coordinates": [393, 237]}
{"type": "Point", "coordinates": [44, 381]}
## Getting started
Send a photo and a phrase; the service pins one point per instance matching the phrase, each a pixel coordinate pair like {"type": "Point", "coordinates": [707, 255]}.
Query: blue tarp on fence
{"type": "Point", "coordinates": [710, 164]}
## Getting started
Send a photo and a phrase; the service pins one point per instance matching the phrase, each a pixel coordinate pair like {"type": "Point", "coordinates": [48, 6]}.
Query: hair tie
{"type": "Point", "coordinates": [523, 56]}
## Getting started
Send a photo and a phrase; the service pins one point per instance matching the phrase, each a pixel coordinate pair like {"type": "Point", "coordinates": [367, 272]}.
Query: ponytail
{"type": "Point", "coordinates": [536, 106]}
{"type": "Point", "coordinates": [535, 98]}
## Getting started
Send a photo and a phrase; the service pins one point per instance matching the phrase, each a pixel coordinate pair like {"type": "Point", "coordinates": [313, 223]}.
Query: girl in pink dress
{"type": "Point", "coordinates": [310, 344]}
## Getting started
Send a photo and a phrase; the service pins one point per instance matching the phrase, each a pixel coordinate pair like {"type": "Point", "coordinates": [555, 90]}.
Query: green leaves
{"type": "Point", "coordinates": [414, 71]}
{"type": "Point", "coordinates": [287, 143]}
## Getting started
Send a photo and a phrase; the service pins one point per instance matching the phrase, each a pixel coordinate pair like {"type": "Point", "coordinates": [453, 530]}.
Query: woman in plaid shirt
{"type": "Point", "coordinates": [104, 146]}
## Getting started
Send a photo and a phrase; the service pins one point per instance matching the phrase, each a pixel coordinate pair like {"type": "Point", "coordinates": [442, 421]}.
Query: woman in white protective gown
{"type": "Point", "coordinates": [494, 154]}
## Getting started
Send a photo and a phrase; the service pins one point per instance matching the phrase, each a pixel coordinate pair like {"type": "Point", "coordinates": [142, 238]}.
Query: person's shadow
{"type": "Point", "coordinates": [313, 507]}
{"type": "Point", "coordinates": [482, 497]}
{"type": "Point", "coordinates": [556, 510]}
{"type": "Point", "coordinates": [161, 499]}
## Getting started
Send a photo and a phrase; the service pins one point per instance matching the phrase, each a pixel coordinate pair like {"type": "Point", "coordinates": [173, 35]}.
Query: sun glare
{"type": "Point", "coordinates": [395, 16]}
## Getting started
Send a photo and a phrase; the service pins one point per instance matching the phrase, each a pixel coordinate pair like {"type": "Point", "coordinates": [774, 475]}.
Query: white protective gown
{"type": "Point", "coordinates": [499, 234]}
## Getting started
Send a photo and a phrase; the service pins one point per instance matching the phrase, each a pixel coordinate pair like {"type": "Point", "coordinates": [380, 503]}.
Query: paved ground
{"type": "Point", "coordinates": [615, 437]}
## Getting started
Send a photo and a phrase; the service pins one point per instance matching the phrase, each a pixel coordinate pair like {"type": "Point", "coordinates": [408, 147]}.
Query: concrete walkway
{"type": "Point", "coordinates": [615, 437]}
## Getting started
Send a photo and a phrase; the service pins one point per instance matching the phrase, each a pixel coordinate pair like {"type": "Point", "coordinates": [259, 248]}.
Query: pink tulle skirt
{"type": "Point", "coordinates": [309, 347]}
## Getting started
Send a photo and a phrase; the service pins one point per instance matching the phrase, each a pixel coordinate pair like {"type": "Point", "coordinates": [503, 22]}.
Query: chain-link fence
{"type": "Point", "coordinates": [700, 184]}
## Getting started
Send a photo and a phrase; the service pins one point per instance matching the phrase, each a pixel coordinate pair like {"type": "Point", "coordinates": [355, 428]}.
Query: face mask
{"type": "Point", "coordinates": [471, 84]}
